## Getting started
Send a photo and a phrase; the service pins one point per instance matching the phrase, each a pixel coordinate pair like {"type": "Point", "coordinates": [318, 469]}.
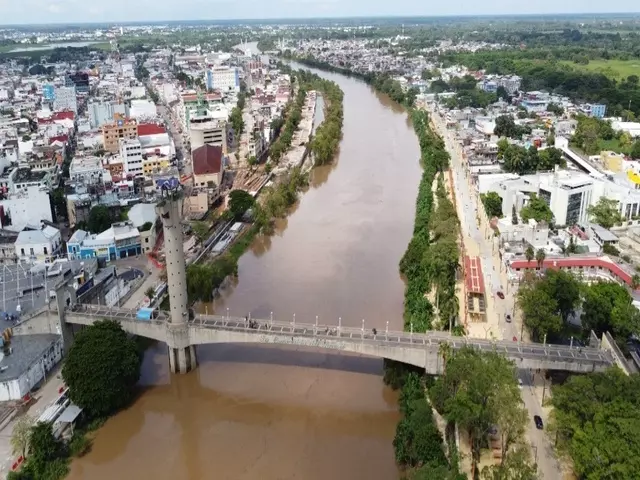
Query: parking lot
{"type": "Point", "coordinates": [22, 289]}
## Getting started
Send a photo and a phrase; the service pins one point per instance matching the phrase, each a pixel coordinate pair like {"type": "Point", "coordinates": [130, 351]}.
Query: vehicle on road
{"type": "Point", "coordinates": [508, 318]}
{"type": "Point", "coordinates": [538, 421]}
{"type": "Point", "coordinates": [515, 339]}
{"type": "Point", "coordinates": [500, 295]}
{"type": "Point", "coordinates": [519, 383]}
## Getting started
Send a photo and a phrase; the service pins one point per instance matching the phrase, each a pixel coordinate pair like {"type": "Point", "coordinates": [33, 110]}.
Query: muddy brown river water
{"type": "Point", "coordinates": [254, 412]}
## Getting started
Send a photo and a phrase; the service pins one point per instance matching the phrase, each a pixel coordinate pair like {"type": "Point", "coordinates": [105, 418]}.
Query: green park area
{"type": "Point", "coordinates": [615, 68]}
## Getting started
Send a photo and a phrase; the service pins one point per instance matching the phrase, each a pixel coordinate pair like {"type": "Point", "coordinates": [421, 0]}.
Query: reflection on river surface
{"type": "Point", "coordinates": [263, 412]}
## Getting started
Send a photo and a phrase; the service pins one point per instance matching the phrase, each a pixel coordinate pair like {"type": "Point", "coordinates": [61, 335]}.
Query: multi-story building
{"type": "Point", "coordinates": [154, 163]}
{"type": "Point", "coordinates": [204, 130]}
{"type": "Point", "coordinates": [79, 80]}
{"type": "Point", "coordinates": [87, 170]}
{"type": "Point", "coordinates": [131, 153]}
{"type": "Point", "coordinates": [223, 79]}
{"type": "Point", "coordinates": [25, 207]}
{"type": "Point", "coordinates": [208, 166]}
{"type": "Point", "coordinates": [122, 240]}
{"type": "Point", "coordinates": [113, 132]}
{"type": "Point", "coordinates": [596, 110]}
{"type": "Point", "coordinates": [38, 245]}
{"type": "Point", "coordinates": [7, 246]}
{"type": "Point", "coordinates": [65, 99]}
{"type": "Point", "coordinates": [103, 112]}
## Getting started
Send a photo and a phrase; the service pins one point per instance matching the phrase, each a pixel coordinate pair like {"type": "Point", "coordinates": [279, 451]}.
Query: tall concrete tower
{"type": "Point", "coordinates": [182, 355]}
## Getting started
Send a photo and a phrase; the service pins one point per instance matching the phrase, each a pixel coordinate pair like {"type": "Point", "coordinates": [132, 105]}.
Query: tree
{"type": "Point", "coordinates": [597, 417]}
{"type": "Point", "coordinates": [150, 293]}
{"type": "Point", "coordinates": [201, 231]}
{"type": "Point", "coordinates": [21, 434]}
{"type": "Point", "coordinates": [635, 281]}
{"type": "Point", "coordinates": [514, 215]}
{"type": "Point", "coordinates": [540, 256]}
{"type": "Point", "coordinates": [529, 254]}
{"type": "Point", "coordinates": [59, 203]}
{"type": "Point", "coordinates": [539, 309]}
{"type": "Point", "coordinates": [472, 393]}
{"type": "Point", "coordinates": [239, 202]}
{"type": "Point", "coordinates": [605, 213]}
{"type": "Point", "coordinates": [635, 150]}
{"type": "Point", "coordinates": [492, 204]}
{"type": "Point", "coordinates": [514, 466]}
{"type": "Point", "coordinates": [555, 108]}
{"type": "Point", "coordinates": [608, 306]}
{"type": "Point", "coordinates": [102, 368]}
{"type": "Point", "coordinates": [536, 209]}
{"type": "Point", "coordinates": [502, 93]}
{"type": "Point", "coordinates": [44, 448]}
{"type": "Point", "coordinates": [99, 219]}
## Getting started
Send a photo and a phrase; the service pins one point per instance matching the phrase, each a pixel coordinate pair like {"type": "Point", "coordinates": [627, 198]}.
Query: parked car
{"type": "Point", "coordinates": [508, 318]}
{"type": "Point", "coordinates": [538, 421]}
{"type": "Point", "coordinates": [500, 295]}
{"type": "Point", "coordinates": [520, 383]}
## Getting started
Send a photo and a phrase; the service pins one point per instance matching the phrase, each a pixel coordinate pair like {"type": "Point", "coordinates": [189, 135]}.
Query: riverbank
{"type": "Point", "coordinates": [430, 266]}
{"type": "Point", "coordinates": [287, 153]}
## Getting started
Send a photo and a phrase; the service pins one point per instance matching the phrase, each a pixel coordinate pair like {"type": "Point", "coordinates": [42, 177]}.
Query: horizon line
{"type": "Point", "coordinates": [346, 17]}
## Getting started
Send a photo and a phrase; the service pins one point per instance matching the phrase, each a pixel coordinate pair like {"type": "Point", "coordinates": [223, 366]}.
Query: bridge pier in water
{"type": "Point", "coordinates": [182, 355]}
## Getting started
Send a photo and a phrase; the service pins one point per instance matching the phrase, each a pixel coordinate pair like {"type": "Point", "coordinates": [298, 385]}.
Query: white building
{"type": "Point", "coordinates": [131, 153]}
{"type": "Point", "coordinates": [38, 245]}
{"type": "Point", "coordinates": [25, 207]}
{"type": "Point", "coordinates": [103, 112]}
{"type": "Point", "coordinates": [142, 109]}
{"type": "Point", "coordinates": [87, 170]}
{"type": "Point", "coordinates": [205, 130]}
{"type": "Point", "coordinates": [65, 99]}
{"type": "Point", "coordinates": [31, 358]}
{"type": "Point", "coordinates": [222, 78]}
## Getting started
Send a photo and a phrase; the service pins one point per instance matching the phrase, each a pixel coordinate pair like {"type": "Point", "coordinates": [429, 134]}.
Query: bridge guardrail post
{"type": "Point", "coordinates": [386, 332]}
{"type": "Point", "coordinates": [339, 326]}
{"type": "Point", "coordinates": [270, 320]}
{"type": "Point", "coordinates": [362, 335]}
{"type": "Point", "coordinates": [315, 328]}
{"type": "Point", "coordinates": [227, 317]}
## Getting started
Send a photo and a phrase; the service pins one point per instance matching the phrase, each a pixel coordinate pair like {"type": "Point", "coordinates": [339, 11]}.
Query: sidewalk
{"type": "Point", "coordinates": [44, 397]}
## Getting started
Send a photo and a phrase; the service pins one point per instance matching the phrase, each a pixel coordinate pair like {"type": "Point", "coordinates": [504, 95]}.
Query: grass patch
{"type": "Point", "coordinates": [619, 69]}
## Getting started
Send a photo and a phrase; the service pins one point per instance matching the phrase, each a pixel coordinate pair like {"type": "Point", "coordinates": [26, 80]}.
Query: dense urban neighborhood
{"type": "Point", "coordinates": [145, 170]}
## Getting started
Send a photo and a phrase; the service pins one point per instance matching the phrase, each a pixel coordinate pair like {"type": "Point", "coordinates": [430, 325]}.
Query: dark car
{"type": "Point", "coordinates": [501, 295]}
{"type": "Point", "coordinates": [508, 318]}
{"type": "Point", "coordinates": [538, 421]}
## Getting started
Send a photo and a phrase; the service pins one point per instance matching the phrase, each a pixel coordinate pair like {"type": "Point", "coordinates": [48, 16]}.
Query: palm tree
{"type": "Point", "coordinates": [540, 256]}
{"type": "Point", "coordinates": [529, 253]}
{"type": "Point", "coordinates": [635, 281]}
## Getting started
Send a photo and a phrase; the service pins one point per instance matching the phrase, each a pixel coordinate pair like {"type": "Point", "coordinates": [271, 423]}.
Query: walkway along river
{"type": "Point", "coordinates": [273, 413]}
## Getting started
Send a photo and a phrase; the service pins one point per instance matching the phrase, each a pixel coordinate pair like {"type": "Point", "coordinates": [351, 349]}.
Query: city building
{"type": "Point", "coordinates": [222, 78]}
{"type": "Point", "coordinates": [38, 245]}
{"type": "Point", "coordinates": [204, 130]}
{"type": "Point", "coordinates": [78, 80]}
{"type": "Point", "coordinates": [114, 131]}
{"type": "Point", "coordinates": [143, 216]}
{"type": "Point", "coordinates": [154, 163]}
{"type": "Point", "coordinates": [122, 240]}
{"type": "Point", "coordinates": [26, 362]}
{"type": "Point", "coordinates": [142, 109]}
{"type": "Point", "coordinates": [102, 112]}
{"type": "Point", "coordinates": [596, 110]}
{"type": "Point", "coordinates": [25, 207]}
{"type": "Point", "coordinates": [131, 154]}
{"type": "Point", "coordinates": [48, 92]}
{"type": "Point", "coordinates": [7, 246]}
{"type": "Point", "coordinates": [208, 166]}
{"type": "Point", "coordinates": [65, 99]}
{"type": "Point", "coordinates": [88, 170]}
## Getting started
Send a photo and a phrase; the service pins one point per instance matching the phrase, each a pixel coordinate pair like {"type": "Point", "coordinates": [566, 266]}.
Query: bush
{"type": "Point", "coordinates": [80, 444]}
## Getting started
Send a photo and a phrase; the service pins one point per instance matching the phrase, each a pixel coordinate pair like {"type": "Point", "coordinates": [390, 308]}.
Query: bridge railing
{"type": "Point", "coordinates": [351, 334]}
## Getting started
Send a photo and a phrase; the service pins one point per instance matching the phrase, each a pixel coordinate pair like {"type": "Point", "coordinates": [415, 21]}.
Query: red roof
{"type": "Point", "coordinates": [150, 129]}
{"type": "Point", "coordinates": [59, 138]}
{"type": "Point", "coordinates": [207, 160]}
{"type": "Point", "coordinates": [577, 262]}
{"type": "Point", "coordinates": [66, 115]}
{"type": "Point", "coordinates": [473, 275]}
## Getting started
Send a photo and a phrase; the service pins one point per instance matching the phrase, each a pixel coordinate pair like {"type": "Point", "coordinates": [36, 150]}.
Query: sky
{"type": "Point", "coordinates": [78, 11]}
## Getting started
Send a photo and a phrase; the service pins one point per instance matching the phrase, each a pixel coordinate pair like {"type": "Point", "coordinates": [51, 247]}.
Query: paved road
{"type": "Point", "coordinates": [548, 465]}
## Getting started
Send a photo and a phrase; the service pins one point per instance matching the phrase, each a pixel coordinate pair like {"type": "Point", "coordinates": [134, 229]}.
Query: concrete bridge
{"type": "Point", "coordinates": [182, 333]}
{"type": "Point", "coordinates": [422, 350]}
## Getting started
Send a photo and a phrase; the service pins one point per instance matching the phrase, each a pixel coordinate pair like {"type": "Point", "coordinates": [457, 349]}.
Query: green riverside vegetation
{"type": "Point", "coordinates": [275, 201]}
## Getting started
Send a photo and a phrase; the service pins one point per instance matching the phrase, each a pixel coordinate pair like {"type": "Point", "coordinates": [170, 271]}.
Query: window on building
{"type": "Point", "coordinates": [22, 251]}
{"type": "Point", "coordinates": [31, 251]}
{"type": "Point", "coordinates": [574, 206]}
{"type": "Point", "coordinates": [45, 251]}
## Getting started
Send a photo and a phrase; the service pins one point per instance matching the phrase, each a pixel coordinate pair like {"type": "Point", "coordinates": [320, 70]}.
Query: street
{"type": "Point", "coordinates": [480, 242]}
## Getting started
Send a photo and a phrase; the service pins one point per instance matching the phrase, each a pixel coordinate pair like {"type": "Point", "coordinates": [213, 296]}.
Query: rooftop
{"type": "Point", "coordinates": [27, 175]}
{"type": "Point", "coordinates": [25, 350]}
{"type": "Point", "coordinates": [207, 160]}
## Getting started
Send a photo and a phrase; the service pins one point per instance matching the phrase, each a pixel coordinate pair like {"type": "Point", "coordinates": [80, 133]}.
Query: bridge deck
{"type": "Point", "coordinates": [431, 339]}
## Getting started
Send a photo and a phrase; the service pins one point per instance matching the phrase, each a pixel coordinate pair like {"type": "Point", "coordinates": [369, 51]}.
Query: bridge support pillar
{"type": "Point", "coordinates": [182, 360]}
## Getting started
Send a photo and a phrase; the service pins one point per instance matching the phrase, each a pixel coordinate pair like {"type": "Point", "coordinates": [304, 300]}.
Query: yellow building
{"type": "Point", "coordinates": [612, 161]}
{"type": "Point", "coordinates": [154, 163]}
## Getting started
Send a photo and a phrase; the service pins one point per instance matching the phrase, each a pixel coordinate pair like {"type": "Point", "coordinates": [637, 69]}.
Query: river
{"type": "Point", "coordinates": [254, 412]}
